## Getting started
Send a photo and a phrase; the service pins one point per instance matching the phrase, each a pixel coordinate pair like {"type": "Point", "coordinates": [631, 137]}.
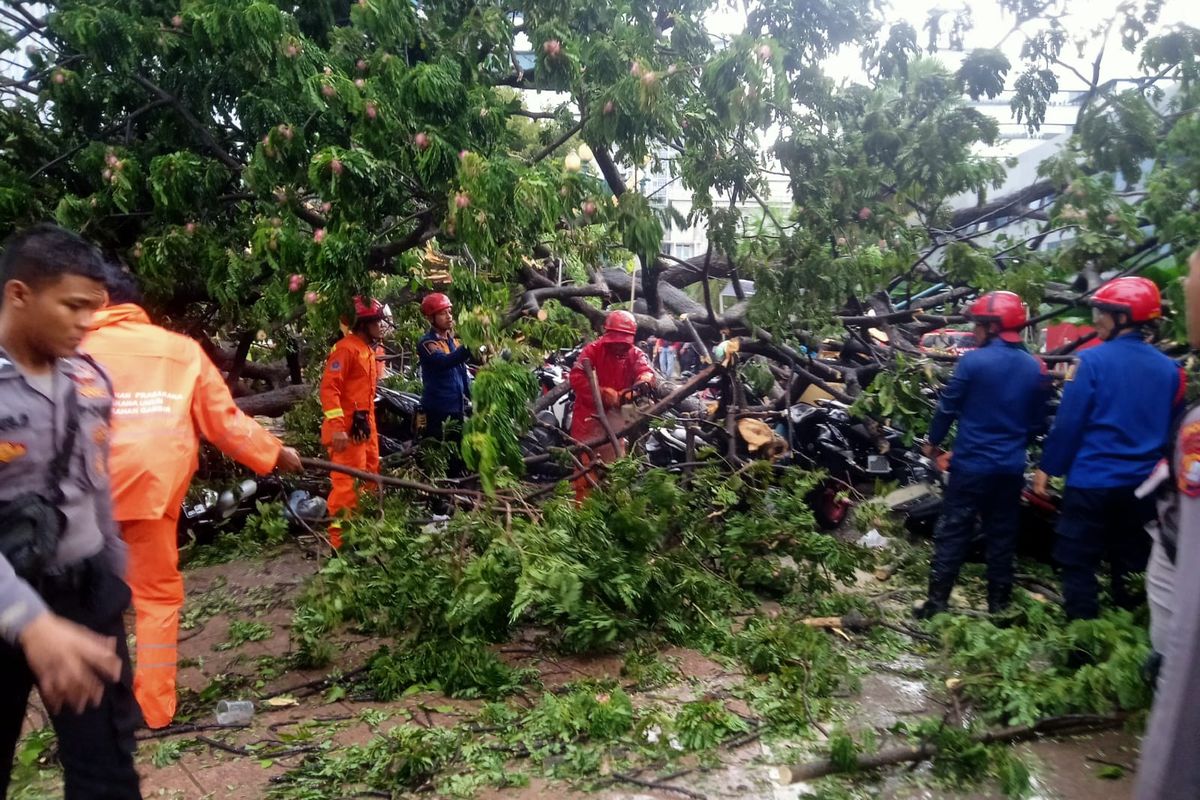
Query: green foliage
{"type": "Point", "coordinates": [645, 669]}
{"type": "Point", "coordinates": [797, 668]}
{"type": "Point", "coordinates": [501, 395]}
{"type": "Point", "coordinates": [261, 532]}
{"type": "Point", "coordinates": [302, 427]}
{"type": "Point", "coordinates": [874, 513]}
{"type": "Point", "coordinates": [770, 645]}
{"type": "Point", "coordinates": [898, 398]}
{"type": "Point", "coordinates": [642, 554]}
{"type": "Point", "coordinates": [843, 751]}
{"type": "Point", "coordinates": [704, 724]}
{"type": "Point", "coordinates": [242, 631]}
{"type": "Point", "coordinates": [403, 758]}
{"type": "Point", "coordinates": [454, 668]}
{"type": "Point", "coordinates": [598, 713]}
{"type": "Point", "coordinates": [962, 762]}
{"type": "Point", "coordinates": [1037, 667]}
{"type": "Point", "coordinates": [33, 765]}
{"type": "Point", "coordinates": [169, 752]}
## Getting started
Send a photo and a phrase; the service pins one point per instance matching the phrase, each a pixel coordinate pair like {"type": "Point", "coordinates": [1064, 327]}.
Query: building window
{"type": "Point", "coordinates": [683, 251]}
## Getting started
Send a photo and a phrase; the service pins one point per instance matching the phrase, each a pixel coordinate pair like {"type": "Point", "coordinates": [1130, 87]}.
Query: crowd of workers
{"type": "Point", "coordinates": [102, 412]}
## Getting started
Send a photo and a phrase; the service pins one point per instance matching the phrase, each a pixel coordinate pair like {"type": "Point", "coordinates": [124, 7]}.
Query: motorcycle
{"type": "Point", "coordinates": [850, 451]}
{"type": "Point", "coordinates": [206, 515]}
{"type": "Point", "coordinates": [398, 419]}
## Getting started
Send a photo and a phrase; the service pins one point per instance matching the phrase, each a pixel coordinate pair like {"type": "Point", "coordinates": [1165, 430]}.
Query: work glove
{"type": "Point", "coordinates": [360, 427]}
{"type": "Point", "coordinates": [610, 397]}
{"type": "Point", "coordinates": [642, 388]}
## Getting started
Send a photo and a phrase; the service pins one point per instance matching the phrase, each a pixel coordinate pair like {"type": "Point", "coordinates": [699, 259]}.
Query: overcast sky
{"type": "Point", "coordinates": [990, 25]}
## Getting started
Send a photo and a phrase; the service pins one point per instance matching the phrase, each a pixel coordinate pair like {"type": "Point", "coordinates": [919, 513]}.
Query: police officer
{"type": "Point", "coordinates": [998, 396]}
{"type": "Point", "coordinates": [1111, 429]}
{"type": "Point", "coordinates": [1169, 769]}
{"type": "Point", "coordinates": [446, 384]}
{"type": "Point", "coordinates": [61, 556]}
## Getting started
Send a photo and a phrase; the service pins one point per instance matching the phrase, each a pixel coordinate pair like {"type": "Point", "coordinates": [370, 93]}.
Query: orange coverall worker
{"type": "Point", "coordinates": [167, 394]}
{"type": "Point", "coordinates": [347, 388]}
{"type": "Point", "coordinates": [618, 366]}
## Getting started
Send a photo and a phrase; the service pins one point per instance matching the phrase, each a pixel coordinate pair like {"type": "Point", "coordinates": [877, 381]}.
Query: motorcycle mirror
{"type": "Point", "coordinates": [226, 503]}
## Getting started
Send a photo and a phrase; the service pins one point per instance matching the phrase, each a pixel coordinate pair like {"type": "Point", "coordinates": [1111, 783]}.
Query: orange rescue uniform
{"type": "Point", "coordinates": [348, 386]}
{"type": "Point", "coordinates": [167, 394]}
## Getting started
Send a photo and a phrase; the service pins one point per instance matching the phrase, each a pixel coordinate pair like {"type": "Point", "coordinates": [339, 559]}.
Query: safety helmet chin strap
{"type": "Point", "coordinates": [1119, 327]}
{"type": "Point", "coordinates": [360, 328]}
{"type": "Point", "coordinates": [990, 330]}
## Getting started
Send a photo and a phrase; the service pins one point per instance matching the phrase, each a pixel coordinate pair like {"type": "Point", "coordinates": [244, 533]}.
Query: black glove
{"type": "Point", "coordinates": [360, 427]}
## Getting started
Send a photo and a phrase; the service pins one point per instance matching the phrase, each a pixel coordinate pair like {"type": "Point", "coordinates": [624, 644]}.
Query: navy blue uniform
{"type": "Point", "coordinates": [998, 396]}
{"type": "Point", "coordinates": [1112, 427]}
{"type": "Point", "coordinates": [446, 386]}
{"type": "Point", "coordinates": [446, 383]}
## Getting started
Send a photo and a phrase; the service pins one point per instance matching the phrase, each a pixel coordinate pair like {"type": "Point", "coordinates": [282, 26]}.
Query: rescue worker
{"type": "Point", "coordinates": [1169, 769]}
{"type": "Point", "coordinates": [621, 369]}
{"type": "Point", "coordinates": [998, 396]}
{"type": "Point", "coordinates": [348, 402]}
{"type": "Point", "coordinates": [1111, 429]}
{"type": "Point", "coordinates": [62, 599]}
{"type": "Point", "coordinates": [446, 384]}
{"type": "Point", "coordinates": [168, 395]}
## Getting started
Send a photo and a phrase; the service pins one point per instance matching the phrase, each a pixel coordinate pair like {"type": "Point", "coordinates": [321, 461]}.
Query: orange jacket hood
{"type": "Point", "coordinates": [167, 394]}
{"type": "Point", "coordinates": [122, 312]}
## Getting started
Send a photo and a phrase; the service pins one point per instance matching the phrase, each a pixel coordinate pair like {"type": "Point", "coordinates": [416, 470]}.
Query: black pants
{"type": "Point", "coordinates": [994, 501]}
{"type": "Point", "coordinates": [96, 747]}
{"type": "Point", "coordinates": [435, 428]}
{"type": "Point", "coordinates": [1099, 524]}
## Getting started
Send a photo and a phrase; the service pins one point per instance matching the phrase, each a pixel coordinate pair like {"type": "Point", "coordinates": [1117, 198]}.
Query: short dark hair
{"type": "Point", "coordinates": [122, 286]}
{"type": "Point", "coordinates": [45, 253]}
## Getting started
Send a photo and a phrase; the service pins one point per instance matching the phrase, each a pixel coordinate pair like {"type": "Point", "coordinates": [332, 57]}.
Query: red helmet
{"type": "Point", "coordinates": [435, 303]}
{"type": "Point", "coordinates": [367, 309]}
{"type": "Point", "coordinates": [1003, 308]}
{"type": "Point", "coordinates": [1137, 297]}
{"type": "Point", "coordinates": [621, 322]}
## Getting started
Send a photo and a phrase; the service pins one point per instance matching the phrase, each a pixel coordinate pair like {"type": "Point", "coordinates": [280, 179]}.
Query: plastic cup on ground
{"type": "Point", "coordinates": [234, 712]}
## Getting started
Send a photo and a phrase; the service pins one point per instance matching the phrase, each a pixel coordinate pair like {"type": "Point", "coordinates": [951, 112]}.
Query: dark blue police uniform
{"type": "Point", "coordinates": [446, 384]}
{"type": "Point", "coordinates": [998, 396]}
{"type": "Point", "coordinates": [1112, 427]}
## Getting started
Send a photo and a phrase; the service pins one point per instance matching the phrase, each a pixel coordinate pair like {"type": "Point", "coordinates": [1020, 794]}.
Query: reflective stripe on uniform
{"type": "Point", "coordinates": [334, 413]}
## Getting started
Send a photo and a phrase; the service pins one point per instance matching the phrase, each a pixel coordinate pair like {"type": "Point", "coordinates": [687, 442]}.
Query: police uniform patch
{"type": "Point", "coordinates": [11, 451]}
{"type": "Point", "coordinates": [1188, 474]}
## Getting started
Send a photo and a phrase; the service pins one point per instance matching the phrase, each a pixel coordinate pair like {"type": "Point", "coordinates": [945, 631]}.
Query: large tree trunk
{"type": "Point", "coordinates": [275, 402]}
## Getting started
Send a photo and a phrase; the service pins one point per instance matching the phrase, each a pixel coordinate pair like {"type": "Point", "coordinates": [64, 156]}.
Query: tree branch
{"type": "Point", "coordinates": [521, 112]}
{"type": "Point", "coordinates": [419, 236]}
{"type": "Point", "coordinates": [207, 138]}
{"type": "Point", "coordinates": [559, 142]}
{"type": "Point", "coordinates": [608, 168]}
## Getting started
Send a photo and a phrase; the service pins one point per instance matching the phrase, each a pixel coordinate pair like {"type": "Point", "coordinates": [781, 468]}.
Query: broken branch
{"type": "Point", "coordinates": [1075, 723]}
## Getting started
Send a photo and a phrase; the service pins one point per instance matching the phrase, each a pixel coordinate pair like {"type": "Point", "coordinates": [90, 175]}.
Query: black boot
{"type": "Point", "coordinates": [930, 609]}
{"type": "Point", "coordinates": [937, 602]}
{"type": "Point", "coordinates": [999, 600]}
